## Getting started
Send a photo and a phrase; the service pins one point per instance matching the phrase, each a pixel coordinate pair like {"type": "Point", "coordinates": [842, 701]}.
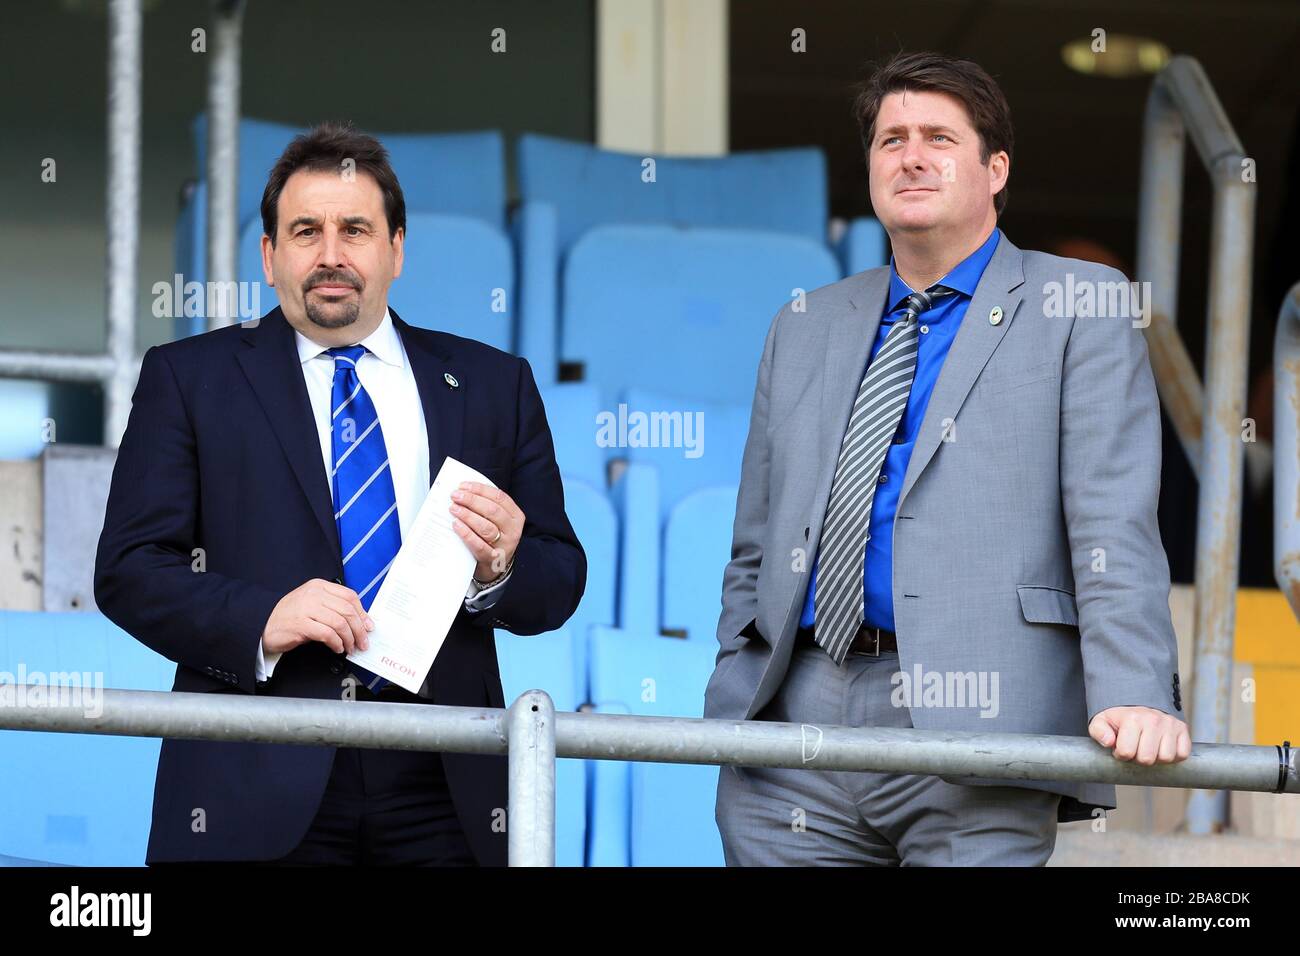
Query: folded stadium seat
{"type": "Point", "coordinates": [545, 662]}
{"type": "Point", "coordinates": [780, 189]}
{"type": "Point", "coordinates": [592, 515]}
{"type": "Point", "coordinates": [460, 174]}
{"type": "Point", "coordinates": [681, 310]}
{"type": "Point", "coordinates": [571, 410]}
{"type": "Point", "coordinates": [697, 547]}
{"type": "Point", "coordinates": [85, 799]}
{"type": "Point", "coordinates": [452, 269]}
{"type": "Point", "coordinates": [651, 814]}
{"type": "Point", "coordinates": [863, 246]}
{"type": "Point", "coordinates": [690, 444]}
{"type": "Point", "coordinates": [567, 188]}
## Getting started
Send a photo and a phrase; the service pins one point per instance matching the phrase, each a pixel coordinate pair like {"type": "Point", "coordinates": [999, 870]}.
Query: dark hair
{"type": "Point", "coordinates": [326, 147]}
{"type": "Point", "coordinates": [986, 106]}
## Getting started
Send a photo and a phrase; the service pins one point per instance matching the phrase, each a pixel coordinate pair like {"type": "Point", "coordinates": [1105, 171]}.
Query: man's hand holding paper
{"type": "Point", "coordinates": [426, 586]}
{"type": "Point", "coordinates": [491, 525]}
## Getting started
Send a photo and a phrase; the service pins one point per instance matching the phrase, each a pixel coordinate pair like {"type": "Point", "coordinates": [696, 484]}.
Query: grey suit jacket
{"type": "Point", "coordinates": [1026, 549]}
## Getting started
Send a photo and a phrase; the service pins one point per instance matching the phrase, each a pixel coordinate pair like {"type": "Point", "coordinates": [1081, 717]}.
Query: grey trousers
{"type": "Point", "coordinates": [785, 817]}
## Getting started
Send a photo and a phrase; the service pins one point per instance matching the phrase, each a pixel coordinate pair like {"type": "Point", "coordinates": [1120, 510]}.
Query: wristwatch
{"type": "Point", "coordinates": [484, 585]}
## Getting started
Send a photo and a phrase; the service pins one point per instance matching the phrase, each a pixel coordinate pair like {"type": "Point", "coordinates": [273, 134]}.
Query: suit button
{"type": "Point", "coordinates": [336, 668]}
{"type": "Point", "coordinates": [883, 479]}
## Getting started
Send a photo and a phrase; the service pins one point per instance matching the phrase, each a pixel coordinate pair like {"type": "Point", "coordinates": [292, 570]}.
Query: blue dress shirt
{"type": "Point", "coordinates": [938, 329]}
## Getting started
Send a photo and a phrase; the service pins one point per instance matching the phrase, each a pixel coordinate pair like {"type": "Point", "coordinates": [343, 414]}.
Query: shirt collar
{"type": "Point", "coordinates": [383, 343]}
{"type": "Point", "coordinates": [963, 278]}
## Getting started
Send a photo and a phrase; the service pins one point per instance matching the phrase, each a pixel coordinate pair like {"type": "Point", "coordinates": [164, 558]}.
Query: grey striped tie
{"type": "Point", "coordinates": [882, 398]}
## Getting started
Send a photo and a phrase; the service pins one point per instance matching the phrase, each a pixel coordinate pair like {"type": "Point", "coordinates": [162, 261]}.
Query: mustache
{"type": "Point", "coordinates": [331, 278]}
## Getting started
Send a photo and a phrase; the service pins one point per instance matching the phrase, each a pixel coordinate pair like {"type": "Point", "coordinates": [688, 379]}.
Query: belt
{"type": "Point", "coordinates": [871, 641]}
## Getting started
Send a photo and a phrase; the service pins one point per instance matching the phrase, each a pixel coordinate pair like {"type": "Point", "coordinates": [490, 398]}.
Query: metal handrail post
{"type": "Point", "coordinates": [1211, 429]}
{"type": "Point", "coordinates": [1286, 449]}
{"type": "Point", "coordinates": [223, 162]}
{"type": "Point", "coordinates": [116, 368]}
{"type": "Point", "coordinates": [1159, 246]}
{"type": "Point", "coordinates": [123, 209]}
{"type": "Point", "coordinates": [530, 732]}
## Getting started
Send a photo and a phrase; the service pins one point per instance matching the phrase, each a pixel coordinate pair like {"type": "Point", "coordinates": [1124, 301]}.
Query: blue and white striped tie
{"type": "Point", "coordinates": [365, 505]}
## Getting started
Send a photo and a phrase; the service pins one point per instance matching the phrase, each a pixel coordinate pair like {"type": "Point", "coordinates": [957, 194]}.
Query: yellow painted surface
{"type": "Point", "coordinates": [1267, 631]}
{"type": "Point", "coordinates": [1268, 637]}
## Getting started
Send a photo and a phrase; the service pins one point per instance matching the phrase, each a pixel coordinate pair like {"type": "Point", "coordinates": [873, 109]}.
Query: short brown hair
{"type": "Point", "coordinates": [986, 106]}
{"type": "Point", "coordinates": [326, 147]}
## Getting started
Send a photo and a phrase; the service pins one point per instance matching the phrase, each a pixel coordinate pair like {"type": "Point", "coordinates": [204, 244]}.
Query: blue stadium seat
{"type": "Point", "coordinates": [646, 503]}
{"type": "Point", "coordinates": [568, 188]}
{"type": "Point", "coordinates": [85, 800]}
{"type": "Point", "coordinates": [681, 310]}
{"type": "Point", "coordinates": [546, 662]}
{"type": "Point", "coordinates": [697, 547]}
{"type": "Point", "coordinates": [781, 190]}
{"type": "Point", "coordinates": [864, 245]}
{"type": "Point", "coordinates": [571, 410]}
{"type": "Point", "coordinates": [592, 516]}
{"type": "Point", "coordinates": [717, 431]}
{"type": "Point", "coordinates": [452, 269]}
{"type": "Point", "coordinates": [651, 814]}
{"type": "Point", "coordinates": [459, 174]}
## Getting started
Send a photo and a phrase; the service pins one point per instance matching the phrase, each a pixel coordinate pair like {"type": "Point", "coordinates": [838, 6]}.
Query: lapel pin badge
{"type": "Point", "coordinates": [451, 379]}
{"type": "Point", "coordinates": [996, 315]}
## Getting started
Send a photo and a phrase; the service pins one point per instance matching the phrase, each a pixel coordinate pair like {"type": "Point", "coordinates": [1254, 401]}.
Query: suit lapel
{"type": "Point", "coordinates": [850, 330]}
{"type": "Point", "coordinates": [444, 405]}
{"type": "Point", "coordinates": [848, 344]}
{"type": "Point", "coordinates": [975, 341]}
{"type": "Point", "coordinates": [271, 364]}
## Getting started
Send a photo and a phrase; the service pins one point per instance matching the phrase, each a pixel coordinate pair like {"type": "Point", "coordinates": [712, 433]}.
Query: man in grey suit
{"type": "Point", "coordinates": [947, 513]}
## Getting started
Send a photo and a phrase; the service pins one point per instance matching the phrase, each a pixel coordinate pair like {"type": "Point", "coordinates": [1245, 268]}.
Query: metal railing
{"type": "Point", "coordinates": [116, 368]}
{"type": "Point", "coordinates": [1209, 421]}
{"type": "Point", "coordinates": [533, 735]}
{"type": "Point", "coordinates": [1286, 464]}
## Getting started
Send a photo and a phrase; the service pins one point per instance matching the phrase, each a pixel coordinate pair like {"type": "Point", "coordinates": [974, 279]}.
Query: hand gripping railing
{"type": "Point", "coordinates": [534, 735]}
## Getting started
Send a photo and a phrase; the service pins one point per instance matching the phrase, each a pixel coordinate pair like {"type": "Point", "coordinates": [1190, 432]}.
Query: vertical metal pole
{"type": "Point", "coordinates": [1160, 221]}
{"type": "Point", "coordinates": [1218, 513]}
{"type": "Point", "coordinates": [1286, 449]}
{"type": "Point", "coordinates": [123, 210]}
{"type": "Point", "coordinates": [530, 732]}
{"type": "Point", "coordinates": [223, 160]}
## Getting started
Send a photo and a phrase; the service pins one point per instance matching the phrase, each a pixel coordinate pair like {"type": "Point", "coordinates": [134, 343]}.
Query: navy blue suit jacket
{"type": "Point", "coordinates": [221, 453]}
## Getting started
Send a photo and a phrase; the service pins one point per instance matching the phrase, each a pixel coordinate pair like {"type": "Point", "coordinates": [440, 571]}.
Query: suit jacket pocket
{"type": "Point", "coordinates": [1043, 604]}
{"type": "Point", "coordinates": [1000, 381]}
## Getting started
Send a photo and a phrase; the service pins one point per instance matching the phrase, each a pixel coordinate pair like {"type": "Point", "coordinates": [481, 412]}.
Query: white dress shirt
{"type": "Point", "coordinates": [386, 375]}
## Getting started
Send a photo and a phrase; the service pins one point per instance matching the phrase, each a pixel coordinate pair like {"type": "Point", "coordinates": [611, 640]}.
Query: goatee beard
{"type": "Point", "coordinates": [322, 317]}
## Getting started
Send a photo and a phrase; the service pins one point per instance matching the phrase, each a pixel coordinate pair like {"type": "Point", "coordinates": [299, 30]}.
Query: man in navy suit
{"type": "Point", "coordinates": [264, 482]}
